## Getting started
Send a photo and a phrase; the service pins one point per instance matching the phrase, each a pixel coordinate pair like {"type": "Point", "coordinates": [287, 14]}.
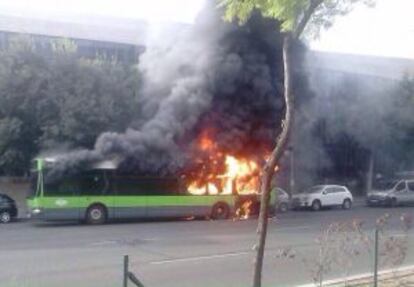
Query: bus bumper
{"type": "Point", "coordinates": [36, 213]}
{"type": "Point", "coordinates": [56, 213]}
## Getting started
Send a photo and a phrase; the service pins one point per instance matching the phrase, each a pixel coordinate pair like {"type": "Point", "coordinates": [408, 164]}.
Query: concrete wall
{"type": "Point", "coordinates": [17, 188]}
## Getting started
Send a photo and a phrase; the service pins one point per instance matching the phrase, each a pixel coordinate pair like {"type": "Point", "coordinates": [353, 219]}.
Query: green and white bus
{"type": "Point", "coordinates": [100, 194]}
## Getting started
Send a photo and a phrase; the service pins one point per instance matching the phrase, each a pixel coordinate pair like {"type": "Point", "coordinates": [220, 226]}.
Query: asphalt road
{"type": "Point", "coordinates": [176, 253]}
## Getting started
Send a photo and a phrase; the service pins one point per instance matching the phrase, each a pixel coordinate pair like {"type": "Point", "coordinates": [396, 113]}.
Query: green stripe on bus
{"type": "Point", "coordinates": [129, 201]}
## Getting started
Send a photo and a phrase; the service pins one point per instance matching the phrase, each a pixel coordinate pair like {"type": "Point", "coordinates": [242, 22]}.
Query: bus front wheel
{"type": "Point", "coordinates": [96, 214]}
{"type": "Point", "coordinates": [220, 211]}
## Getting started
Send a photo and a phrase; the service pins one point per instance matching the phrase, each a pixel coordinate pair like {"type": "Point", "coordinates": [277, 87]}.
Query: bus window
{"type": "Point", "coordinates": [34, 184]}
{"type": "Point", "coordinates": [64, 187]}
{"type": "Point", "coordinates": [92, 184]}
{"type": "Point", "coordinates": [147, 186]}
{"type": "Point", "coordinates": [128, 186]}
{"type": "Point", "coordinates": [161, 186]}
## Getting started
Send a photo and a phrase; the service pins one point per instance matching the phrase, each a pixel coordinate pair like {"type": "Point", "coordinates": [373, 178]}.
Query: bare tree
{"type": "Point", "coordinates": [295, 17]}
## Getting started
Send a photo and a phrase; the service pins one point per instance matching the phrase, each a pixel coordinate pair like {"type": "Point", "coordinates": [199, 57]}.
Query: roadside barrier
{"type": "Point", "coordinates": [129, 276]}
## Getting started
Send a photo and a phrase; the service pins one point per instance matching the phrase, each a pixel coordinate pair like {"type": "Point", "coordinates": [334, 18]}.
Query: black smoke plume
{"type": "Point", "coordinates": [212, 75]}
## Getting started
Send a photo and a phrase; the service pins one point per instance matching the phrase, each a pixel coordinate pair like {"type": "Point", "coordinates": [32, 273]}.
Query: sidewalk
{"type": "Point", "coordinates": [387, 278]}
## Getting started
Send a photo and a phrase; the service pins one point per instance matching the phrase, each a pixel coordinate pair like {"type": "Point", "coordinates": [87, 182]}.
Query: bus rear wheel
{"type": "Point", "coordinates": [96, 214]}
{"type": "Point", "coordinates": [220, 211]}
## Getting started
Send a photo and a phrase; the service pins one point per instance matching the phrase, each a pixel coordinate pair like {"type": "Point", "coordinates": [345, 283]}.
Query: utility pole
{"type": "Point", "coordinates": [292, 182]}
{"type": "Point", "coordinates": [370, 173]}
{"type": "Point", "coordinates": [376, 257]}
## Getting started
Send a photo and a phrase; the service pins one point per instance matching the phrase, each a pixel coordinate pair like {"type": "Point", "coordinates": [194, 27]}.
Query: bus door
{"type": "Point", "coordinates": [194, 204]}
{"type": "Point", "coordinates": [60, 199]}
{"type": "Point", "coordinates": [163, 199]}
{"type": "Point", "coordinates": [130, 199]}
{"type": "Point", "coordinates": [95, 188]}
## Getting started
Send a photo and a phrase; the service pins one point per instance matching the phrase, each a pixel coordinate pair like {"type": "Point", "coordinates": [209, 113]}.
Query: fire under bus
{"type": "Point", "coordinates": [99, 194]}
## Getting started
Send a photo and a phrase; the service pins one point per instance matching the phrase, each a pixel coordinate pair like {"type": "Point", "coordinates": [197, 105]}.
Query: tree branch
{"type": "Point", "coordinates": [306, 17]}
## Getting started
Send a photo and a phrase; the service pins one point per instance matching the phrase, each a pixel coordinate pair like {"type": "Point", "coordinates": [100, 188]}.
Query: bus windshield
{"type": "Point", "coordinates": [33, 184]}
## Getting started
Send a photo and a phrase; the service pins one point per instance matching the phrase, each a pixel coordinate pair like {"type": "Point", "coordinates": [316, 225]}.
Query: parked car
{"type": "Point", "coordinates": [392, 193]}
{"type": "Point", "coordinates": [282, 200]}
{"type": "Point", "coordinates": [279, 201]}
{"type": "Point", "coordinates": [320, 196]}
{"type": "Point", "coordinates": [8, 209]}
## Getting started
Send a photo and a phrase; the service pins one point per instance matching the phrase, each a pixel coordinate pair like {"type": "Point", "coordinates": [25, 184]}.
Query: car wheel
{"type": "Point", "coordinates": [283, 207]}
{"type": "Point", "coordinates": [347, 204]}
{"type": "Point", "coordinates": [96, 214]}
{"type": "Point", "coordinates": [220, 211]}
{"type": "Point", "coordinates": [5, 217]}
{"type": "Point", "coordinates": [316, 205]}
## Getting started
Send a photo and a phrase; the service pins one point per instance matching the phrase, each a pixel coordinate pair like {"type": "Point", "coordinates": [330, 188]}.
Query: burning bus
{"type": "Point", "coordinates": [100, 192]}
{"type": "Point", "coordinates": [205, 117]}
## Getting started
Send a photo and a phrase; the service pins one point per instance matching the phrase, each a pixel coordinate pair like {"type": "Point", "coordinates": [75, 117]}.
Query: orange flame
{"type": "Point", "coordinates": [241, 174]}
{"type": "Point", "coordinates": [205, 142]}
{"type": "Point", "coordinates": [220, 172]}
{"type": "Point", "coordinates": [244, 211]}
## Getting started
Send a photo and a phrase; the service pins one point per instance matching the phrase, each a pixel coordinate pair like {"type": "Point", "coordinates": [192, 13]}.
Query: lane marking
{"type": "Point", "coordinates": [199, 258]}
{"type": "Point", "coordinates": [293, 227]}
{"type": "Point", "coordinates": [104, 243]}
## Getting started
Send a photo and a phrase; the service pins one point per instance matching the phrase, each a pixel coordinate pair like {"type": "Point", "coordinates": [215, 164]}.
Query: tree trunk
{"type": "Point", "coordinates": [270, 165]}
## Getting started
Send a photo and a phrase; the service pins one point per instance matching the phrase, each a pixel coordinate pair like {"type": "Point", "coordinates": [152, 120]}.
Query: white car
{"type": "Point", "coordinates": [392, 193]}
{"type": "Point", "coordinates": [320, 196]}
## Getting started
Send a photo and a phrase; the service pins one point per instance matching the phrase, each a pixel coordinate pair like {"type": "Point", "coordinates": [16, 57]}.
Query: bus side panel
{"type": "Point", "coordinates": [196, 205]}
{"type": "Point", "coordinates": [163, 206]}
{"type": "Point", "coordinates": [59, 208]}
{"type": "Point", "coordinates": [202, 205]}
{"type": "Point", "coordinates": [130, 206]}
{"type": "Point", "coordinates": [185, 205]}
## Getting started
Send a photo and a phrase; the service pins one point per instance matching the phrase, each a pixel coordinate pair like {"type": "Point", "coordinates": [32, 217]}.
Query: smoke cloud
{"type": "Point", "coordinates": [350, 111]}
{"type": "Point", "coordinates": [212, 75]}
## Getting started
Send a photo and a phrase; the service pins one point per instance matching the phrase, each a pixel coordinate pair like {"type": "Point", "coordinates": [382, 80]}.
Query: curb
{"type": "Point", "coordinates": [362, 276]}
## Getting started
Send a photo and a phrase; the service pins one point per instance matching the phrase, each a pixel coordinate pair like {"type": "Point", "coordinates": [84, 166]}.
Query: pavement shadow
{"type": "Point", "coordinates": [48, 224]}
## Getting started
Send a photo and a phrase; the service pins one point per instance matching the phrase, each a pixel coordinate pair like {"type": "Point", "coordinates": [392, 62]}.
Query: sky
{"type": "Point", "coordinates": [385, 30]}
{"type": "Point", "coordinates": [150, 10]}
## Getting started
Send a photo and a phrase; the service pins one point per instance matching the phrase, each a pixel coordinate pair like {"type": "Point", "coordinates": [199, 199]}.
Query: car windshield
{"type": "Point", "coordinates": [6, 197]}
{"type": "Point", "coordinates": [281, 193]}
{"type": "Point", "coordinates": [385, 184]}
{"type": "Point", "coordinates": [314, 189]}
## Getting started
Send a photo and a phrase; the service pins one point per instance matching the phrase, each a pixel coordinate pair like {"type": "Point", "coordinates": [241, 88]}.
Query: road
{"type": "Point", "coordinates": [174, 253]}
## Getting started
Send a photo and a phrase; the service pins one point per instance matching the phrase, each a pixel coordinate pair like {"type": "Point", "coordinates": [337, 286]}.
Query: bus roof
{"type": "Point", "coordinates": [106, 164]}
{"type": "Point", "coordinates": [109, 164]}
